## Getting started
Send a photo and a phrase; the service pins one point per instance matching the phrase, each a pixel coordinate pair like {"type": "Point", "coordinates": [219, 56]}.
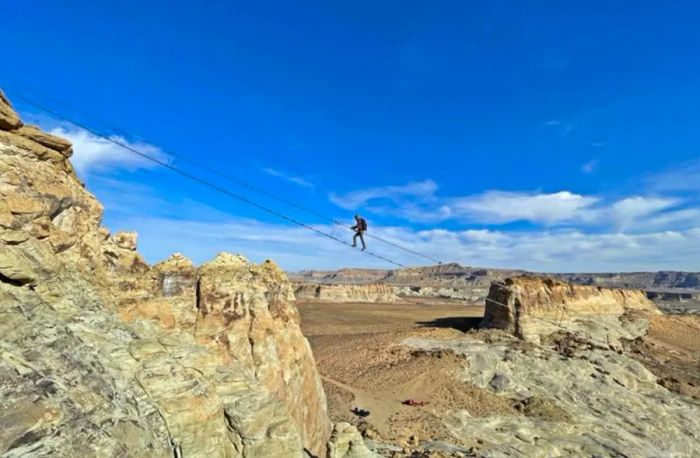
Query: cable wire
{"type": "Point", "coordinates": [200, 180]}
{"type": "Point", "coordinates": [228, 177]}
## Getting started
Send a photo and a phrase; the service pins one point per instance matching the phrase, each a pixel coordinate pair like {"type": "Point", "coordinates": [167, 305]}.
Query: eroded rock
{"type": "Point", "coordinates": [532, 307]}
{"type": "Point", "coordinates": [375, 292]}
{"type": "Point", "coordinates": [104, 355]}
{"type": "Point", "coordinates": [8, 117]}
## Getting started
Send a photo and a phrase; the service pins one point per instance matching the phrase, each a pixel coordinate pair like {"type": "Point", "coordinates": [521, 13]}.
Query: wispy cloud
{"type": "Point", "coordinates": [498, 207]}
{"type": "Point", "coordinates": [683, 177]}
{"type": "Point", "coordinates": [564, 128]}
{"type": "Point", "coordinates": [93, 154]}
{"type": "Point", "coordinates": [300, 181]}
{"type": "Point", "coordinates": [590, 166]}
{"type": "Point", "coordinates": [634, 210]}
{"type": "Point", "coordinates": [353, 200]}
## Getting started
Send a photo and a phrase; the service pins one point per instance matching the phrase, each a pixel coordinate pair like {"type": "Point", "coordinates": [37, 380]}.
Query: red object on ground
{"type": "Point", "coordinates": [412, 402]}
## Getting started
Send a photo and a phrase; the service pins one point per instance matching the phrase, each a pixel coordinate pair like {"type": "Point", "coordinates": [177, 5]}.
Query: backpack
{"type": "Point", "coordinates": [362, 224]}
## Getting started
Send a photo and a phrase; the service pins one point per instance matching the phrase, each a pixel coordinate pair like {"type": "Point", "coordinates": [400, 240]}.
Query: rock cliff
{"type": "Point", "coordinates": [103, 355]}
{"type": "Point", "coordinates": [532, 307]}
{"type": "Point", "coordinates": [346, 293]}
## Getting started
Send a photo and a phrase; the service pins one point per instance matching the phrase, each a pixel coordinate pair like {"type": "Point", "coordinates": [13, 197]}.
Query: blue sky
{"type": "Point", "coordinates": [553, 136]}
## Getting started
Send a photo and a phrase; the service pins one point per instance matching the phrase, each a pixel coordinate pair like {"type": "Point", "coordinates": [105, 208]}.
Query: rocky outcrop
{"type": "Point", "coordinates": [459, 294]}
{"type": "Point", "coordinates": [347, 442]}
{"type": "Point", "coordinates": [455, 282]}
{"type": "Point", "coordinates": [8, 117]}
{"type": "Point", "coordinates": [103, 355]}
{"type": "Point", "coordinates": [600, 401]}
{"type": "Point", "coordinates": [638, 280]}
{"type": "Point", "coordinates": [441, 282]}
{"type": "Point", "coordinates": [374, 293]}
{"type": "Point", "coordinates": [531, 307]}
{"type": "Point", "coordinates": [340, 276]}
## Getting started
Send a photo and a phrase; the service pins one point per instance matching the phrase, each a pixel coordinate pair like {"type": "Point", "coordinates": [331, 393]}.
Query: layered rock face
{"type": "Point", "coordinates": [460, 294]}
{"type": "Point", "coordinates": [445, 281]}
{"type": "Point", "coordinates": [531, 307]}
{"type": "Point", "coordinates": [103, 355]}
{"type": "Point", "coordinates": [346, 293]}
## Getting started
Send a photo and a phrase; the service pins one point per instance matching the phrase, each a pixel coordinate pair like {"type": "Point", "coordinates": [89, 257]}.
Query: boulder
{"type": "Point", "coordinates": [9, 119]}
{"type": "Point", "coordinates": [126, 240]}
{"type": "Point", "coordinates": [53, 142]}
{"type": "Point", "coordinates": [346, 442]}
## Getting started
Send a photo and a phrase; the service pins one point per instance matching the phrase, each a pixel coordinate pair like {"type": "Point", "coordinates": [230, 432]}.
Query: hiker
{"type": "Point", "coordinates": [360, 227]}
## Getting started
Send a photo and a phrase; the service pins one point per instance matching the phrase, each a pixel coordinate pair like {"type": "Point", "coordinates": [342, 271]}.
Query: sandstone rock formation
{"type": "Point", "coordinates": [531, 307]}
{"type": "Point", "coordinates": [459, 294]}
{"type": "Point", "coordinates": [446, 281]}
{"type": "Point", "coordinates": [374, 293]}
{"type": "Point", "coordinates": [579, 393]}
{"type": "Point", "coordinates": [455, 282]}
{"type": "Point", "coordinates": [601, 402]}
{"type": "Point", "coordinates": [346, 442]}
{"type": "Point", "coordinates": [103, 355]}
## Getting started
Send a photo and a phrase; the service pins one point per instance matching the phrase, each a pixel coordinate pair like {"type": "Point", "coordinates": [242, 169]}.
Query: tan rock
{"type": "Point", "coordinates": [346, 442]}
{"type": "Point", "coordinates": [531, 307]}
{"type": "Point", "coordinates": [248, 312]}
{"type": "Point", "coordinates": [131, 360]}
{"type": "Point", "coordinates": [18, 204]}
{"type": "Point", "coordinates": [16, 267]}
{"type": "Point", "coordinates": [13, 237]}
{"type": "Point", "coordinates": [8, 117]}
{"type": "Point", "coordinates": [39, 228]}
{"type": "Point", "coordinates": [126, 240]}
{"type": "Point", "coordinates": [30, 148]}
{"type": "Point", "coordinates": [373, 293]}
{"type": "Point", "coordinates": [53, 142]}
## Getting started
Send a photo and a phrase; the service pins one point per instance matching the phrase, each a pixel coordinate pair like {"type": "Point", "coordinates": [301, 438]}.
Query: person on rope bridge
{"type": "Point", "coordinates": [360, 227]}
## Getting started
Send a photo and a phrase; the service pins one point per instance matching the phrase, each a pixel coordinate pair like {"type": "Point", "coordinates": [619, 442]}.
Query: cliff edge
{"type": "Point", "coordinates": [104, 355]}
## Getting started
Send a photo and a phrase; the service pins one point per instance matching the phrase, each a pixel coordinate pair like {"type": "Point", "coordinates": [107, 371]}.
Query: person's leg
{"type": "Point", "coordinates": [354, 239]}
{"type": "Point", "coordinates": [362, 239]}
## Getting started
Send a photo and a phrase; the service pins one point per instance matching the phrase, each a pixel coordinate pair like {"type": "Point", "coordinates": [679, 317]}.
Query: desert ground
{"type": "Point", "coordinates": [363, 364]}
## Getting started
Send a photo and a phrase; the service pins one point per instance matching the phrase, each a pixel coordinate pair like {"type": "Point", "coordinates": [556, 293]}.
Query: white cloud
{"type": "Point", "coordinates": [289, 177]}
{"type": "Point", "coordinates": [200, 232]}
{"type": "Point", "coordinates": [631, 210]}
{"type": "Point", "coordinates": [353, 200]}
{"type": "Point", "coordinates": [95, 154]}
{"type": "Point", "coordinates": [295, 248]}
{"type": "Point", "coordinates": [498, 207]}
{"type": "Point", "coordinates": [418, 202]}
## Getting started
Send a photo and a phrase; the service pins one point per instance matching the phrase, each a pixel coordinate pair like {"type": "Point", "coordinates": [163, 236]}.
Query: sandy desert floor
{"type": "Point", "coordinates": [358, 353]}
